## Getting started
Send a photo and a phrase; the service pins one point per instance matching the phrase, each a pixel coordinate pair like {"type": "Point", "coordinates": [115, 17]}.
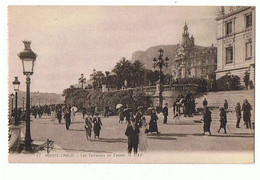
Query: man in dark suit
{"type": "Point", "coordinates": [132, 132]}
{"type": "Point", "coordinates": [165, 113]}
{"type": "Point", "coordinates": [67, 118]}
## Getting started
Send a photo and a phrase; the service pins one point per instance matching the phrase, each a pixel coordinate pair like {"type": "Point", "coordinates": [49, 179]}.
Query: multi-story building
{"type": "Point", "coordinates": [236, 41]}
{"type": "Point", "coordinates": [192, 60]}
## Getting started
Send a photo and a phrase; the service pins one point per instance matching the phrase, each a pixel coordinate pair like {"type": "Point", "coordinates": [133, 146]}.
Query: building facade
{"type": "Point", "coordinates": [193, 61]}
{"type": "Point", "coordinates": [236, 41]}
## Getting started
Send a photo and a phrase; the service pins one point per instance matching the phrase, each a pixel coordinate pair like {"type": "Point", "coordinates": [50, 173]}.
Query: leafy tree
{"type": "Point", "coordinates": [137, 73]}
{"type": "Point", "coordinates": [123, 70]}
{"type": "Point", "coordinates": [98, 78]}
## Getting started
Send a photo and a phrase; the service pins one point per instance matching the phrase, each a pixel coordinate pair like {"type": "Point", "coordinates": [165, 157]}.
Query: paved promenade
{"type": "Point", "coordinates": [176, 136]}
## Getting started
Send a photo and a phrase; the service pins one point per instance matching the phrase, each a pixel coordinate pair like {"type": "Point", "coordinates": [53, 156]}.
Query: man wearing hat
{"type": "Point", "coordinates": [132, 132]}
{"type": "Point", "coordinates": [88, 125]}
{"type": "Point", "coordinates": [139, 115]}
{"type": "Point", "coordinates": [165, 113]}
{"type": "Point", "coordinates": [97, 125]}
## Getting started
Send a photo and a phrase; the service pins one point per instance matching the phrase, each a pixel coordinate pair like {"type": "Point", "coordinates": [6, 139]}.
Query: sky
{"type": "Point", "coordinates": [70, 40]}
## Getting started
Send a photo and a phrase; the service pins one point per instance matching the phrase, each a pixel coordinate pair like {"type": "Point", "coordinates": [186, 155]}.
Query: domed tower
{"type": "Point", "coordinates": [185, 37]}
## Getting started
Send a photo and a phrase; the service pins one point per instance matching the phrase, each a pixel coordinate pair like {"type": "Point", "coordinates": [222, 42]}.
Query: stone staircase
{"type": "Point", "coordinates": [216, 100]}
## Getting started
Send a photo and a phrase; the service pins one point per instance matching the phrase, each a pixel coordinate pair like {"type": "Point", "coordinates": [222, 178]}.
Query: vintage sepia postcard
{"type": "Point", "coordinates": [131, 84]}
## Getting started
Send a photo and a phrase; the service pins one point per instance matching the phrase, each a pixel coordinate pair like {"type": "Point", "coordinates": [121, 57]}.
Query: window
{"type": "Point", "coordinates": [248, 20]}
{"type": "Point", "coordinates": [248, 50]}
{"type": "Point", "coordinates": [189, 63]}
{"type": "Point", "coordinates": [203, 71]}
{"type": "Point", "coordinates": [229, 55]}
{"type": "Point", "coordinates": [228, 28]}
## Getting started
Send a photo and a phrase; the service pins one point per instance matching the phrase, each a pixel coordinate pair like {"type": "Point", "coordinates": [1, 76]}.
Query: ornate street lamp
{"type": "Point", "coordinates": [23, 103]}
{"type": "Point", "coordinates": [28, 58]}
{"type": "Point", "coordinates": [160, 62]}
{"type": "Point", "coordinates": [16, 84]}
{"type": "Point", "coordinates": [12, 98]}
{"type": "Point", "coordinates": [82, 81]}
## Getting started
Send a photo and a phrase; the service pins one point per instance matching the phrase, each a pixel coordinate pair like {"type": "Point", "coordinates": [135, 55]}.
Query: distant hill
{"type": "Point", "coordinates": [45, 98]}
{"type": "Point", "coordinates": [146, 57]}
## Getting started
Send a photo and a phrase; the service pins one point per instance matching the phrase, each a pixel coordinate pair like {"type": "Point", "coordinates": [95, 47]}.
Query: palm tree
{"type": "Point", "coordinates": [123, 70]}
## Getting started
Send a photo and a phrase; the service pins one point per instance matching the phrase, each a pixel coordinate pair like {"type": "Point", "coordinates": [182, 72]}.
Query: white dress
{"type": "Point", "coordinates": [143, 140]}
{"type": "Point", "coordinates": [72, 116]}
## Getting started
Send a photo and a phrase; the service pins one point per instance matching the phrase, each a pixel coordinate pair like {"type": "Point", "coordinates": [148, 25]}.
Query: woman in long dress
{"type": "Point", "coordinates": [88, 126]}
{"type": "Point", "coordinates": [97, 125]}
{"type": "Point", "coordinates": [153, 122]}
{"type": "Point", "coordinates": [207, 120]}
{"type": "Point", "coordinates": [143, 140]}
{"type": "Point", "coordinates": [223, 120]}
{"type": "Point", "coordinates": [72, 114]}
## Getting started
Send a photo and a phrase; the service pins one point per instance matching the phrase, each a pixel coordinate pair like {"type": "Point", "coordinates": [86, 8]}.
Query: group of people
{"type": "Point", "coordinates": [186, 103]}
{"type": "Point", "coordinates": [96, 127]}
{"type": "Point", "coordinates": [137, 130]}
{"type": "Point", "coordinates": [246, 108]}
{"type": "Point", "coordinates": [137, 127]}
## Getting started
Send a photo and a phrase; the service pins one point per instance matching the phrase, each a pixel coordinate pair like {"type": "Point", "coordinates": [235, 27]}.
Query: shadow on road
{"type": "Point", "coordinates": [162, 138]}
{"type": "Point", "coordinates": [111, 140]}
{"type": "Point", "coordinates": [232, 135]}
{"type": "Point", "coordinates": [76, 130]}
{"type": "Point", "coordinates": [167, 134]}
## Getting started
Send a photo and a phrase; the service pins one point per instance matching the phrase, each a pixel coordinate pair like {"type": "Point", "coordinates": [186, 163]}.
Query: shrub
{"type": "Point", "coordinates": [88, 98]}
{"type": "Point", "coordinates": [202, 83]}
{"type": "Point", "coordinates": [228, 83]}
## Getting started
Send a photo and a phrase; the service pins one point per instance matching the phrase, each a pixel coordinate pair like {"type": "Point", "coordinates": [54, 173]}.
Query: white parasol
{"type": "Point", "coordinates": [119, 106]}
{"type": "Point", "coordinates": [74, 108]}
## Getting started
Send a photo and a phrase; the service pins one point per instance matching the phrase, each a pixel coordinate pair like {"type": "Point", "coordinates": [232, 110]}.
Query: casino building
{"type": "Point", "coordinates": [192, 60]}
{"type": "Point", "coordinates": [236, 41]}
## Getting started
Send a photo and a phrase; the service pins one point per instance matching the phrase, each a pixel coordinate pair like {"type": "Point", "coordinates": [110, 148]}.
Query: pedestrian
{"type": "Point", "coordinates": [84, 110]}
{"type": "Point", "coordinates": [67, 118]}
{"type": "Point", "coordinates": [106, 115]}
{"type": "Point", "coordinates": [165, 113]}
{"type": "Point", "coordinates": [138, 116]}
{"type": "Point", "coordinates": [59, 115]}
{"type": "Point", "coordinates": [127, 114]}
{"type": "Point", "coordinates": [72, 114]}
{"type": "Point", "coordinates": [88, 126]}
{"type": "Point", "coordinates": [132, 132]}
{"type": "Point", "coordinates": [238, 114]}
{"type": "Point", "coordinates": [246, 108]}
{"type": "Point", "coordinates": [121, 114]}
{"type": "Point", "coordinates": [153, 127]}
{"type": "Point", "coordinates": [207, 120]}
{"type": "Point", "coordinates": [143, 140]}
{"type": "Point", "coordinates": [223, 120]}
{"type": "Point", "coordinates": [205, 102]}
{"type": "Point", "coordinates": [97, 125]}
{"type": "Point", "coordinates": [226, 105]}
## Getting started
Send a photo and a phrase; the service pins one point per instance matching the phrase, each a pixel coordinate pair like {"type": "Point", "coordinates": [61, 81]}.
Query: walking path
{"type": "Point", "coordinates": [176, 137]}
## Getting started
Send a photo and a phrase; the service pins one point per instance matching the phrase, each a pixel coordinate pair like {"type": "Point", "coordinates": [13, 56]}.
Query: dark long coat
{"type": "Point", "coordinates": [97, 125]}
{"type": "Point", "coordinates": [223, 119]}
{"type": "Point", "coordinates": [153, 123]}
{"type": "Point", "coordinates": [88, 126]}
{"type": "Point", "coordinates": [246, 107]}
{"type": "Point", "coordinates": [132, 135]}
{"type": "Point", "coordinates": [206, 119]}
